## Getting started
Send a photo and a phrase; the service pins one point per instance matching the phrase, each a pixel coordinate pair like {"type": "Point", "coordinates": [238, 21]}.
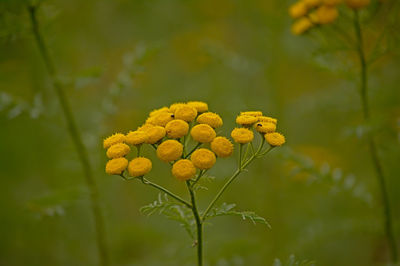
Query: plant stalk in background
{"type": "Point", "coordinates": [75, 135]}
{"type": "Point", "coordinates": [376, 161]}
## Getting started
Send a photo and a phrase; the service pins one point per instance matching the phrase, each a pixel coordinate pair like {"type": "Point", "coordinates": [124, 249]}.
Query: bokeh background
{"type": "Point", "coordinates": [120, 59]}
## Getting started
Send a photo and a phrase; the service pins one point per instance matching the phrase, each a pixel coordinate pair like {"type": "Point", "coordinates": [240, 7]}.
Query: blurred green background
{"type": "Point", "coordinates": [119, 60]}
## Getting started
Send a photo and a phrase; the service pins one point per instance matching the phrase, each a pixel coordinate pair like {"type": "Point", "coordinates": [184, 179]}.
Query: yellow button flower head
{"type": "Point", "coordinates": [326, 14]}
{"type": "Point", "coordinates": [114, 139]}
{"type": "Point", "coordinates": [201, 107]}
{"type": "Point", "coordinates": [357, 4]}
{"type": "Point", "coordinates": [267, 119]}
{"type": "Point", "coordinates": [301, 25]}
{"type": "Point", "coordinates": [159, 111]}
{"type": "Point", "coordinates": [155, 134]}
{"type": "Point", "coordinates": [275, 139]}
{"type": "Point", "coordinates": [139, 166]}
{"type": "Point", "coordinates": [169, 150]}
{"type": "Point", "coordinates": [161, 119]}
{"type": "Point", "coordinates": [116, 166]}
{"type": "Point", "coordinates": [265, 127]}
{"type": "Point", "coordinates": [242, 135]}
{"type": "Point", "coordinates": [118, 150]}
{"type": "Point", "coordinates": [298, 9]}
{"type": "Point", "coordinates": [211, 119]}
{"type": "Point", "coordinates": [312, 3]}
{"type": "Point", "coordinates": [186, 113]}
{"type": "Point", "coordinates": [136, 137]}
{"type": "Point", "coordinates": [183, 169]}
{"type": "Point", "coordinates": [252, 113]}
{"type": "Point", "coordinates": [203, 159]}
{"type": "Point", "coordinates": [177, 129]}
{"type": "Point", "coordinates": [222, 147]}
{"type": "Point", "coordinates": [246, 120]}
{"type": "Point", "coordinates": [203, 133]}
{"type": "Point", "coordinates": [174, 106]}
{"type": "Point", "coordinates": [145, 127]}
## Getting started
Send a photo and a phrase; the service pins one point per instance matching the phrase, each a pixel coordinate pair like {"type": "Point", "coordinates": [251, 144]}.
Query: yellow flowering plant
{"type": "Point", "coordinates": [365, 47]}
{"type": "Point", "coordinates": [184, 136]}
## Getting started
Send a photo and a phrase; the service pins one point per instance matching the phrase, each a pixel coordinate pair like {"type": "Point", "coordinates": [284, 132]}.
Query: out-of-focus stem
{"type": "Point", "coordinates": [76, 138]}
{"type": "Point", "coordinates": [199, 225]}
{"type": "Point", "coordinates": [371, 142]}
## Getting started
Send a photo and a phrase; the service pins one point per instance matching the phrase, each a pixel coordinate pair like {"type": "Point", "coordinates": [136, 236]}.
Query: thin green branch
{"type": "Point", "coordinates": [75, 135]}
{"type": "Point", "coordinates": [199, 225]}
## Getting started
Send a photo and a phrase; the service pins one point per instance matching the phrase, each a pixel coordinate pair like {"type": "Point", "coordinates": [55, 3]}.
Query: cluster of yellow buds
{"type": "Point", "coordinates": [167, 130]}
{"type": "Point", "coordinates": [310, 13]}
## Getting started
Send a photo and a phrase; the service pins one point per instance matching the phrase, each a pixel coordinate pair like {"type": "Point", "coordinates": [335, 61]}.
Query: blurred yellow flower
{"type": "Point", "coordinates": [357, 4]}
{"type": "Point", "coordinates": [201, 107]}
{"type": "Point", "coordinates": [139, 166]}
{"type": "Point", "coordinates": [186, 113]}
{"type": "Point", "coordinates": [174, 106]}
{"type": "Point", "coordinates": [118, 150]}
{"type": "Point", "coordinates": [332, 2]}
{"type": "Point", "coordinates": [222, 147]}
{"type": "Point", "coordinates": [145, 127]}
{"type": "Point", "coordinates": [183, 169]}
{"type": "Point", "coordinates": [312, 3]}
{"type": "Point", "coordinates": [177, 129]}
{"type": "Point", "coordinates": [275, 139]}
{"type": "Point", "coordinates": [242, 135]}
{"type": "Point", "coordinates": [203, 159]}
{"type": "Point", "coordinates": [211, 119]}
{"type": "Point", "coordinates": [252, 113]}
{"type": "Point", "coordinates": [161, 119]}
{"type": "Point", "coordinates": [116, 166]}
{"type": "Point", "coordinates": [267, 119]}
{"type": "Point", "coordinates": [298, 9]}
{"type": "Point", "coordinates": [265, 127]}
{"type": "Point", "coordinates": [114, 139]}
{"type": "Point", "coordinates": [169, 150]}
{"type": "Point", "coordinates": [326, 14]}
{"type": "Point", "coordinates": [246, 120]}
{"type": "Point", "coordinates": [159, 111]}
{"type": "Point", "coordinates": [136, 137]}
{"type": "Point", "coordinates": [154, 134]}
{"type": "Point", "coordinates": [301, 25]}
{"type": "Point", "coordinates": [203, 133]}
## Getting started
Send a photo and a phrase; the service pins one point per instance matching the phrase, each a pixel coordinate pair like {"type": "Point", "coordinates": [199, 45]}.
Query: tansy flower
{"type": "Point", "coordinates": [301, 25]}
{"type": "Point", "coordinates": [114, 139]}
{"type": "Point", "coordinates": [186, 113]}
{"type": "Point", "coordinates": [116, 166]}
{"type": "Point", "coordinates": [326, 14]}
{"type": "Point", "coordinates": [252, 113]}
{"type": "Point", "coordinates": [242, 135]}
{"type": "Point", "coordinates": [267, 119]}
{"type": "Point", "coordinates": [357, 4]}
{"type": "Point", "coordinates": [118, 150]}
{"type": "Point", "coordinates": [312, 3]}
{"type": "Point", "coordinates": [211, 119]}
{"type": "Point", "coordinates": [203, 159]}
{"type": "Point", "coordinates": [145, 127]}
{"type": "Point", "coordinates": [183, 169]}
{"type": "Point", "coordinates": [159, 111]}
{"type": "Point", "coordinates": [246, 120]}
{"type": "Point", "coordinates": [139, 166]}
{"type": "Point", "coordinates": [155, 134]}
{"type": "Point", "coordinates": [161, 119]}
{"type": "Point", "coordinates": [265, 127]}
{"type": "Point", "coordinates": [203, 133]}
{"type": "Point", "coordinates": [177, 129]}
{"type": "Point", "coordinates": [298, 9]}
{"type": "Point", "coordinates": [169, 150]}
{"type": "Point", "coordinates": [174, 106]}
{"type": "Point", "coordinates": [201, 107]}
{"type": "Point", "coordinates": [222, 147]}
{"type": "Point", "coordinates": [275, 139]}
{"type": "Point", "coordinates": [136, 137]}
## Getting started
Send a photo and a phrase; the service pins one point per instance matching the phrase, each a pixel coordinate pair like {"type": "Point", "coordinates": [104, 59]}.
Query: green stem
{"type": "Point", "coordinates": [166, 191]}
{"type": "Point", "coordinates": [195, 147]}
{"type": "Point", "coordinates": [199, 225]}
{"type": "Point", "coordinates": [76, 138]}
{"type": "Point", "coordinates": [371, 142]}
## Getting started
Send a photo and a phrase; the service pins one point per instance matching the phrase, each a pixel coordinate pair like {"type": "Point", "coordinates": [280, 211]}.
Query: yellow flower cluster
{"type": "Point", "coordinates": [168, 130]}
{"type": "Point", "coordinates": [263, 124]}
{"type": "Point", "coordinates": [310, 13]}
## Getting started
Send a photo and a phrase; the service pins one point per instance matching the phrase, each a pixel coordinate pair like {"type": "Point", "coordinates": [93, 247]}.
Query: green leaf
{"type": "Point", "coordinates": [229, 209]}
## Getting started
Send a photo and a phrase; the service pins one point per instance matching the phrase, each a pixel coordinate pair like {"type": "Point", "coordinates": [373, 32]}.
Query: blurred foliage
{"type": "Point", "coordinates": [120, 59]}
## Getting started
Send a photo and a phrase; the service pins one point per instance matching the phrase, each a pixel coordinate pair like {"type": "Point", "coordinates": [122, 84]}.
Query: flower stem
{"type": "Point", "coordinates": [376, 161]}
{"type": "Point", "coordinates": [166, 191]}
{"type": "Point", "coordinates": [199, 225]}
{"type": "Point", "coordinates": [76, 138]}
